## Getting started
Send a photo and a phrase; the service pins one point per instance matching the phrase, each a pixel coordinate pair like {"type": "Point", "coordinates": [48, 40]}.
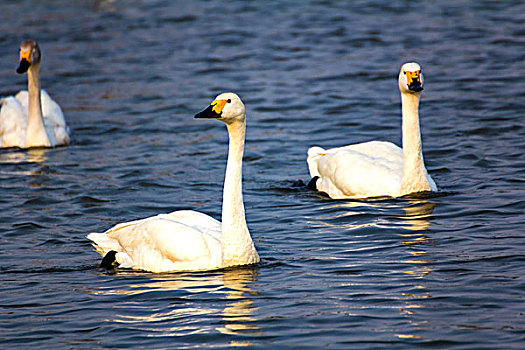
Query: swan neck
{"type": "Point", "coordinates": [410, 127]}
{"type": "Point", "coordinates": [36, 132]}
{"type": "Point", "coordinates": [237, 244]}
{"type": "Point", "coordinates": [414, 172]}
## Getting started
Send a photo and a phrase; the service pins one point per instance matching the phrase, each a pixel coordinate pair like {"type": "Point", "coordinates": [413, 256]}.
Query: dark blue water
{"type": "Point", "coordinates": [428, 271]}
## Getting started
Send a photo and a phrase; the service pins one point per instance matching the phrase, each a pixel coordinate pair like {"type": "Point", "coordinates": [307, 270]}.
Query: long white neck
{"type": "Point", "coordinates": [36, 132]}
{"type": "Point", "coordinates": [415, 177]}
{"type": "Point", "coordinates": [237, 244]}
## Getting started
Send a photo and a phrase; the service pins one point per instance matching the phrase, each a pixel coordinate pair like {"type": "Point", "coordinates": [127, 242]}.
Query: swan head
{"type": "Point", "coordinates": [227, 107]}
{"type": "Point", "coordinates": [29, 55]}
{"type": "Point", "coordinates": [411, 79]}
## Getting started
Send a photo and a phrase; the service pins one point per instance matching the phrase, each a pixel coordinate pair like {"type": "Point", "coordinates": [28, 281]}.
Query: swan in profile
{"type": "Point", "coordinates": [187, 240]}
{"type": "Point", "coordinates": [377, 168]}
{"type": "Point", "coordinates": [31, 119]}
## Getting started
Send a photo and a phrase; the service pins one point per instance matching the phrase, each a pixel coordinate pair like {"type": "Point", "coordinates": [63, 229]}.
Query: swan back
{"type": "Point", "coordinates": [183, 240]}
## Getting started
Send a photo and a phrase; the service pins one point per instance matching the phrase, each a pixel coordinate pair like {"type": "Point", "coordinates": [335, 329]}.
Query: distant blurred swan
{"type": "Point", "coordinates": [377, 168]}
{"type": "Point", "coordinates": [31, 119]}
{"type": "Point", "coordinates": [187, 240]}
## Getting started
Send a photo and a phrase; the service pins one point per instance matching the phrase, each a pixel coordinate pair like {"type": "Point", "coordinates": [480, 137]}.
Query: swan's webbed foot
{"type": "Point", "coordinates": [109, 262]}
{"type": "Point", "coordinates": [312, 184]}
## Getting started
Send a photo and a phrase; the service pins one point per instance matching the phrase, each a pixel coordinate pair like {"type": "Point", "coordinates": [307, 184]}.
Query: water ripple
{"type": "Point", "coordinates": [432, 270]}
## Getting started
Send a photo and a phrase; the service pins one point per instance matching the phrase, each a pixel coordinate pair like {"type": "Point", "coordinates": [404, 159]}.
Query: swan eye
{"type": "Point", "coordinates": [404, 72]}
{"type": "Point", "coordinates": [229, 101]}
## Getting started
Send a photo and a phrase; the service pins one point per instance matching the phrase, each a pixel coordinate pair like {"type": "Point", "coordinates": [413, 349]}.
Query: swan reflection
{"type": "Point", "coordinates": [362, 226]}
{"type": "Point", "coordinates": [238, 314]}
{"type": "Point", "coordinates": [30, 162]}
{"type": "Point", "coordinates": [185, 304]}
{"type": "Point", "coordinates": [32, 155]}
{"type": "Point", "coordinates": [418, 213]}
{"type": "Point", "coordinates": [416, 221]}
{"type": "Point", "coordinates": [353, 215]}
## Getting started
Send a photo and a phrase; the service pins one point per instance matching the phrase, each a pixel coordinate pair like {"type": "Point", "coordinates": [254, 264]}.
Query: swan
{"type": "Point", "coordinates": [187, 240]}
{"type": "Point", "coordinates": [377, 168]}
{"type": "Point", "coordinates": [31, 119]}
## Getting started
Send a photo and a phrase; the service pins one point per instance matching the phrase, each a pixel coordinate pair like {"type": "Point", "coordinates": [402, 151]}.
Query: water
{"type": "Point", "coordinates": [428, 271]}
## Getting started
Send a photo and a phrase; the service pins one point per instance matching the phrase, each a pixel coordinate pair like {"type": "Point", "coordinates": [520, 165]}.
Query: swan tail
{"type": "Point", "coordinates": [104, 245]}
{"type": "Point", "coordinates": [315, 151]}
{"type": "Point", "coordinates": [314, 154]}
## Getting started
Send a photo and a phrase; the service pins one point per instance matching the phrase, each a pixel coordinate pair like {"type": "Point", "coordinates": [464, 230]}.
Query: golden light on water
{"type": "Point", "coordinates": [233, 286]}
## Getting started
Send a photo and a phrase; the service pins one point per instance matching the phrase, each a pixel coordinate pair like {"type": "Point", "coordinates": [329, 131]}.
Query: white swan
{"type": "Point", "coordinates": [31, 119]}
{"type": "Point", "coordinates": [377, 168]}
{"type": "Point", "coordinates": [187, 240]}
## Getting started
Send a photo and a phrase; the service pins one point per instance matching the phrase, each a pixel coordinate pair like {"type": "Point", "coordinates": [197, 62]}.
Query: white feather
{"type": "Point", "coordinates": [187, 240]}
{"type": "Point", "coordinates": [15, 121]}
{"type": "Point", "coordinates": [376, 168]}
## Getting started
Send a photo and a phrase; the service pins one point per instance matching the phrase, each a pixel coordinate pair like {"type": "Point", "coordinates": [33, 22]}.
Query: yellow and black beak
{"type": "Point", "coordinates": [414, 81]}
{"type": "Point", "coordinates": [214, 110]}
{"type": "Point", "coordinates": [25, 61]}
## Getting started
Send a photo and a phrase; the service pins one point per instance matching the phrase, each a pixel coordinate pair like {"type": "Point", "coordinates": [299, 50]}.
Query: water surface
{"type": "Point", "coordinates": [427, 271]}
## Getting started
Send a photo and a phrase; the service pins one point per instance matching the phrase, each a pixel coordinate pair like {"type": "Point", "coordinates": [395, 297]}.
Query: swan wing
{"type": "Point", "coordinates": [23, 98]}
{"type": "Point", "coordinates": [13, 123]}
{"type": "Point", "coordinates": [162, 243]}
{"type": "Point", "coordinates": [357, 171]}
{"type": "Point", "coordinates": [54, 119]}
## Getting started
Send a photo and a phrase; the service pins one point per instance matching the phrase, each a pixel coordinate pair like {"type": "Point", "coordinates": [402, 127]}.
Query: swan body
{"type": "Point", "coordinates": [377, 168]}
{"type": "Point", "coordinates": [31, 118]}
{"type": "Point", "coordinates": [187, 240]}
